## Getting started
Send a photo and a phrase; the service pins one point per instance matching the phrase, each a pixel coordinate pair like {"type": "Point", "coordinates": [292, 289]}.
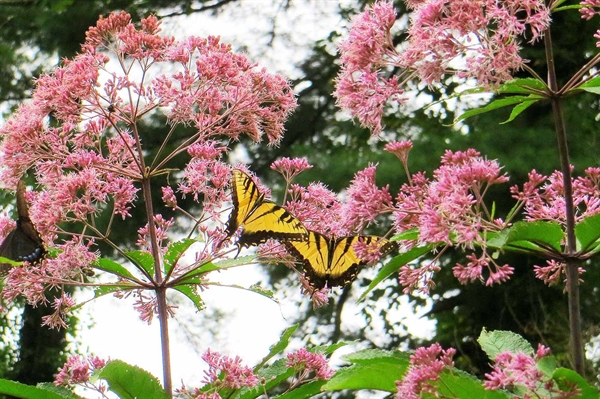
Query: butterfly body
{"type": "Point", "coordinates": [259, 218]}
{"type": "Point", "coordinates": [23, 243]}
{"type": "Point", "coordinates": [330, 262]}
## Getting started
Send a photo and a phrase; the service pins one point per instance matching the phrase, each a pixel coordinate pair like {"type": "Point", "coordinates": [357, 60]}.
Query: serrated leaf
{"type": "Point", "coordinates": [43, 391]}
{"type": "Point", "coordinates": [517, 110]}
{"type": "Point", "coordinates": [303, 391]}
{"type": "Point", "coordinates": [278, 347]}
{"type": "Point", "coordinates": [522, 86]}
{"type": "Point", "coordinates": [394, 265]}
{"type": "Point", "coordinates": [10, 261]}
{"type": "Point", "coordinates": [497, 104]}
{"type": "Point", "coordinates": [591, 86]}
{"type": "Point", "coordinates": [191, 292]}
{"type": "Point", "coordinates": [461, 385]}
{"type": "Point", "coordinates": [273, 375]}
{"type": "Point", "coordinates": [131, 382]}
{"type": "Point", "coordinates": [547, 365]}
{"type": "Point", "coordinates": [565, 377]}
{"type": "Point", "coordinates": [410, 235]}
{"type": "Point", "coordinates": [174, 252]}
{"type": "Point", "coordinates": [142, 260]}
{"type": "Point", "coordinates": [587, 232]}
{"type": "Point", "coordinates": [495, 342]}
{"type": "Point", "coordinates": [371, 369]}
{"type": "Point", "coordinates": [529, 236]}
{"type": "Point", "coordinates": [112, 267]}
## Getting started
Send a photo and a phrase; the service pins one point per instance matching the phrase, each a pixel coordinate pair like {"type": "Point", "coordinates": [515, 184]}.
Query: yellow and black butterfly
{"type": "Point", "coordinates": [260, 219]}
{"type": "Point", "coordinates": [23, 243]}
{"type": "Point", "coordinates": [330, 262]}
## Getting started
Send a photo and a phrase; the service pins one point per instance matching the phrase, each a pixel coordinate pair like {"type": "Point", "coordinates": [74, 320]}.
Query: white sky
{"type": "Point", "coordinates": [253, 323]}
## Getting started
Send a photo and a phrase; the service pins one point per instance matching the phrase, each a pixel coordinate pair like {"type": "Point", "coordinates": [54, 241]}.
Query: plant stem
{"type": "Point", "coordinates": [576, 341]}
{"type": "Point", "coordinates": [161, 297]}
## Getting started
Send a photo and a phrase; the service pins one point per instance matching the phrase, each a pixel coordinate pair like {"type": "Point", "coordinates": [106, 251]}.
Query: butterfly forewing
{"type": "Point", "coordinates": [260, 219]}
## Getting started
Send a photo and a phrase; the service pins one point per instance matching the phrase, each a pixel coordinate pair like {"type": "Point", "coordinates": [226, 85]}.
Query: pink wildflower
{"type": "Point", "coordinates": [62, 305]}
{"type": "Point", "coordinates": [77, 370]}
{"type": "Point", "coordinates": [543, 196]}
{"type": "Point", "coordinates": [473, 270]}
{"type": "Point", "coordinates": [519, 370]}
{"type": "Point", "coordinates": [169, 197]}
{"type": "Point", "coordinates": [426, 366]}
{"type": "Point", "coordinates": [305, 363]}
{"type": "Point", "coordinates": [365, 201]}
{"type": "Point", "coordinates": [589, 8]}
{"type": "Point", "coordinates": [227, 372]}
{"type": "Point", "coordinates": [401, 149]}
{"type": "Point", "coordinates": [449, 209]}
{"type": "Point", "coordinates": [485, 35]}
{"type": "Point", "coordinates": [317, 208]}
{"type": "Point", "coordinates": [290, 168]}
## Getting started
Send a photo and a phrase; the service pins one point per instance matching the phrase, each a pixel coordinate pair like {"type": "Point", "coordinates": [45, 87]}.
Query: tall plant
{"type": "Point", "coordinates": [81, 138]}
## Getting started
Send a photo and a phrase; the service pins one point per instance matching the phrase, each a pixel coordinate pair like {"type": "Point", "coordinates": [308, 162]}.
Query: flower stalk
{"type": "Point", "coordinates": [572, 265]}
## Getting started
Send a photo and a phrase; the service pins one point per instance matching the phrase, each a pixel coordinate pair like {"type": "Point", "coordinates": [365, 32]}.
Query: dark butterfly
{"type": "Point", "coordinates": [23, 243]}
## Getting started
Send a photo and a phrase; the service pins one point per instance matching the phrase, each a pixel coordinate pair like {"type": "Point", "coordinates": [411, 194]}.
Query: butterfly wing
{"type": "Point", "coordinates": [314, 255]}
{"type": "Point", "coordinates": [261, 219]}
{"type": "Point", "coordinates": [23, 243]}
{"type": "Point", "coordinates": [345, 263]}
{"type": "Point", "coordinates": [332, 262]}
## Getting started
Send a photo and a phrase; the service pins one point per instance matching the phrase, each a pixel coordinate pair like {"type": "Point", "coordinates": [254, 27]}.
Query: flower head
{"type": "Point", "coordinates": [305, 363]}
{"type": "Point", "coordinates": [425, 367]}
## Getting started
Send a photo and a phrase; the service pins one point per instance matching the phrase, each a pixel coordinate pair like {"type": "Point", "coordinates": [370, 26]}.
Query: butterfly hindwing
{"type": "Point", "coordinates": [23, 243]}
{"type": "Point", "coordinates": [260, 219]}
{"type": "Point", "coordinates": [332, 261]}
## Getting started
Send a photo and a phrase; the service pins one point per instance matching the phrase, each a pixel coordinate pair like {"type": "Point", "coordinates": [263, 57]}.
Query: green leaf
{"type": "Point", "coordinates": [591, 86]}
{"type": "Point", "coordinates": [371, 369]}
{"type": "Point", "coordinates": [587, 232]}
{"type": "Point", "coordinates": [191, 291]}
{"type": "Point", "coordinates": [42, 391]}
{"type": "Point", "coordinates": [529, 237]}
{"type": "Point", "coordinates": [495, 342]}
{"type": "Point", "coordinates": [411, 235]}
{"type": "Point", "coordinates": [565, 376]}
{"type": "Point", "coordinates": [522, 86]}
{"type": "Point", "coordinates": [174, 252]}
{"type": "Point", "coordinates": [10, 261]}
{"type": "Point", "coordinates": [194, 276]}
{"type": "Point", "coordinates": [303, 391]}
{"type": "Point", "coordinates": [110, 266]}
{"type": "Point", "coordinates": [278, 347]}
{"type": "Point", "coordinates": [517, 110]}
{"type": "Point", "coordinates": [131, 382]}
{"type": "Point", "coordinates": [273, 375]}
{"type": "Point", "coordinates": [461, 385]}
{"type": "Point", "coordinates": [143, 260]}
{"type": "Point", "coordinates": [497, 104]}
{"type": "Point", "coordinates": [394, 265]}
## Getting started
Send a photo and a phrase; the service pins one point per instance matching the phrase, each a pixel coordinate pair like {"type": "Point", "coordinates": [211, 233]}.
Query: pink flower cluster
{"type": "Point", "coordinates": [477, 39]}
{"type": "Point", "coordinates": [449, 209]}
{"type": "Point", "coordinates": [78, 370]}
{"type": "Point", "coordinates": [227, 372]}
{"type": "Point", "coordinates": [305, 363]}
{"type": "Point", "coordinates": [223, 372]}
{"type": "Point", "coordinates": [518, 371]}
{"type": "Point", "coordinates": [92, 158]}
{"type": "Point", "coordinates": [544, 199]}
{"type": "Point", "coordinates": [426, 366]}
